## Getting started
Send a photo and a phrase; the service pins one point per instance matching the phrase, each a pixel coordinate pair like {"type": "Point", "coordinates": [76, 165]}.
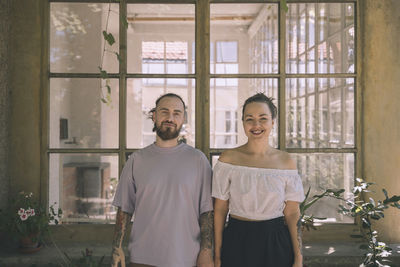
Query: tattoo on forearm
{"type": "Point", "coordinates": [121, 223]}
{"type": "Point", "coordinates": [207, 230]}
{"type": "Point", "coordinates": [299, 236]}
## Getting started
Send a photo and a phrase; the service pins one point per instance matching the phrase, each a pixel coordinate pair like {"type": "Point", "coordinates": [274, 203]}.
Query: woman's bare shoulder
{"type": "Point", "coordinates": [230, 155]}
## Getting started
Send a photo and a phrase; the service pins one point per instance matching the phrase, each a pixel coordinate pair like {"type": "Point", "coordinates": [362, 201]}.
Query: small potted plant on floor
{"type": "Point", "coordinates": [28, 221]}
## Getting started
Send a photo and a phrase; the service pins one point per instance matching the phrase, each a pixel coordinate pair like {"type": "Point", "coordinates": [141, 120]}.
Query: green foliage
{"type": "Point", "coordinates": [366, 211]}
{"type": "Point", "coordinates": [124, 22]}
{"type": "Point", "coordinates": [109, 38]}
{"type": "Point", "coordinates": [26, 217]}
{"type": "Point", "coordinates": [103, 73]}
{"type": "Point", "coordinates": [106, 99]}
{"type": "Point", "coordinates": [307, 221]}
{"type": "Point", "coordinates": [284, 5]}
{"type": "Point", "coordinates": [118, 57]}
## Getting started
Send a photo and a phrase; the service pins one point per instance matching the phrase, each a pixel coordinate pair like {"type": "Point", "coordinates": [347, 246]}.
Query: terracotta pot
{"type": "Point", "coordinates": [29, 244]}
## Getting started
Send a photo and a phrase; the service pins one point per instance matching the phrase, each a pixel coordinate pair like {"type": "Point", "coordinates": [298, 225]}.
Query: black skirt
{"type": "Point", "coordinates": [257, 244]}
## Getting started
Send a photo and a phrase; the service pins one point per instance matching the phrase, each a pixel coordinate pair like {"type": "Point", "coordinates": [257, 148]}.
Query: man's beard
{"type": "Point", "coordinates": [167, 134]}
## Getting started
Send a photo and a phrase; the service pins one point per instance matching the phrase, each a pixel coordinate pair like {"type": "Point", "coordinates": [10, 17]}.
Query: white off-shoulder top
{"type": "Point", "coordinates": [256, 193]}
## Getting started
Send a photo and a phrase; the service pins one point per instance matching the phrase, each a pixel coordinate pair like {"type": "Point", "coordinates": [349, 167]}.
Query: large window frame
{"type": "Point", "coordinates": [202, 78]}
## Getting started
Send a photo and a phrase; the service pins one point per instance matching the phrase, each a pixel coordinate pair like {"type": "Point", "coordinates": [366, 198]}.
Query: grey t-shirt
{"type": "Point", "coordinates": [167, 189]}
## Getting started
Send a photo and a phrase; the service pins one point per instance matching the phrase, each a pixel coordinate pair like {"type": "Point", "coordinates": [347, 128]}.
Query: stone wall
{"type": "Point", "coordinates": [381, 97]}
{"type": "Point", "coordinates": [4, 99]}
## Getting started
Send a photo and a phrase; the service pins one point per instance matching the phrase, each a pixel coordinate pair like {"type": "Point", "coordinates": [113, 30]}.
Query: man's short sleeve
{"type": "Point", "coordinates": [125, 196]}
{"type": "Point", "coordinates": [205, 190]}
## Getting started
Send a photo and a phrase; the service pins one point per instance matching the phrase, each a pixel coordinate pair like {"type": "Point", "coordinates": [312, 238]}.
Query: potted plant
{"type": "Point", "coordinates": [28, 221]}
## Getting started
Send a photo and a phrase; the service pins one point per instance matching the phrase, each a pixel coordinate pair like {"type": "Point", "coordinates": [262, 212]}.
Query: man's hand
{"type": "Point", "coordinates": [205, 258]}
{"type": "Point", "coordinates": [298, 261]}
{"type": "Point", "coordinates": [118, 256]}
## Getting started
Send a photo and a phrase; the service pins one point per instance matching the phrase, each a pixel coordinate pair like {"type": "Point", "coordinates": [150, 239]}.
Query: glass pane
{"type": "Point", "coordinates": [349, 11]}
{"type": "Point", "coordinates": [349, 51]}
{"type": "Point", "coordinates": [321, 116]}
{"type": "Point", "coordinates": [78, 117]}
{"type": "Point", "coordinates": [336, 13]}
{"type": "Point", "coordinates": [76, 39]}
{"type": "Point", "coordinates": [141, 97]}
{"type": "Point", "coordinates": [83, 186]}
{"type": "Point", "coordinates": [160, 38]}
{"type": "Point", "coordinates": [245, 38]}
{"type": "Point", "coordinates": [226, 101]}
{"type": "Point", "coordinates": [322, 31]}
{"type": "Point", "coordinates": [327, 171]}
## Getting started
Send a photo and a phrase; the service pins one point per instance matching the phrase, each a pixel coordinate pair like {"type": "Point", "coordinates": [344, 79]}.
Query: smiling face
{"type": "Point", "coordinates": [257, 120]}
{"type": "Point", "coordinates": [168, 118]}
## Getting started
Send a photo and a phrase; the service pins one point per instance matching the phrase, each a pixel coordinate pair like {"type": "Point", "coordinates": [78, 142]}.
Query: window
{"type": "Point", "coordinates": [304, 59]}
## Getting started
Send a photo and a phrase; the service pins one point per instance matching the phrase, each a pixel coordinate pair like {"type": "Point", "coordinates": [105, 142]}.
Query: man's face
{"type": "Point", "coordinates": [168, 118]}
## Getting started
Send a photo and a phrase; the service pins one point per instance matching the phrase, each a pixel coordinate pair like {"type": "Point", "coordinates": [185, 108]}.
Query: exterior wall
{"type": "Point", "coordinates": [26, 43]}
{"type": "Point", "coordinates": [381, 96]}
{"type": "Point", "coordinates": [4, 100]}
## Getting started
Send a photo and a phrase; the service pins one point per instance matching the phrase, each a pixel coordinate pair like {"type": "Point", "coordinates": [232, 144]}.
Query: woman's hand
{"type": "Point", "coordinates": [298, 262]}
{"type": "Point", "coordinates": [217, 262]}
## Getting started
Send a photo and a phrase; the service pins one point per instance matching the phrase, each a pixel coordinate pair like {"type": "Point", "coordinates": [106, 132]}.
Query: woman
{"type": "Point", "coordinates": [261, 188]}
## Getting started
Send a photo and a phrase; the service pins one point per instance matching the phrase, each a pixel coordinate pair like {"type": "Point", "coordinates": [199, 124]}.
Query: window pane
{"type": "Point", "coordinates": [327, 171]}
{"type": "Point", "coordinates": [245, 37]}
{"type": "Point", "coordinates": [322, 31]}
{"type": "Point", "coordinates": [78, 117]}
{"type": "Point", "coordinates": [141, 97]}
{"type": "Point", "coordinates": [76, 38]}
{"type": "Point", "coordinates": [226, 101]}
{"type": "Point", "coordinates": [321, 117]}
{"type": "Point", "coordinates": [83, 186]}
{"type": "Point", "coordinates": [227, 52]}
{"type": "Point", "coordinates": [160, 38]}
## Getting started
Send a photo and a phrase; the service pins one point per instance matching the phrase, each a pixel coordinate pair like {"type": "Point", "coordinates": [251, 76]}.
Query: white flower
{"type": "Point", "coordinates": [23, 217]}
{"type": "Point", "coordinates": [28, 212]}
{"type": "Point", "coordinates": [32, 212]}
{"type": "Point", "coordinates": [21, 211]}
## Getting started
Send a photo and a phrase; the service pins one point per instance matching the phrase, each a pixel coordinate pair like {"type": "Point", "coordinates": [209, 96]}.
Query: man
{"type": "Point", "coordinates": [168, 187]}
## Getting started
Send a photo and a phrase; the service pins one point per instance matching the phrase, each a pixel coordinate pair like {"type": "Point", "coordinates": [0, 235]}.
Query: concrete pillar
{"type": "Point", "coordinates": [4, 100]}
{"type": "Point", "coordinates": [381, 95]}
{"type": "Point", "coordinates": [26, 43]}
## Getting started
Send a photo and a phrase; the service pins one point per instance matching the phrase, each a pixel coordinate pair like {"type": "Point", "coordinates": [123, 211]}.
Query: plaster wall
{"type": "Point", "coordinates": [25, 81]}
{"type": "Point", "coordinates": [381, 96]}
{"type": "Point", "coordinates": [4, 100]}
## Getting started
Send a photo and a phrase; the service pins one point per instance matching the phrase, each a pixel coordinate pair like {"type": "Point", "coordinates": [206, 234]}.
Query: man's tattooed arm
{"type": "Point", "coordinates": [205, 257]}
{"type": "Point", "coordinates": [121, 224]}
{"type": "Point", "coordinates": [207, 230]}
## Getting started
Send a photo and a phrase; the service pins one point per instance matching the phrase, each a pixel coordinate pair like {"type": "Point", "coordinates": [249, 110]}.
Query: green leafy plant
{"type": "Point", "coordinates": [307, 221]}
{"type": "Point", "coordinates": [110, 41]}
{"type": "Point", "coordinates": [26, 217]}
{"type": "Point", "coordinates": [366, 211]}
